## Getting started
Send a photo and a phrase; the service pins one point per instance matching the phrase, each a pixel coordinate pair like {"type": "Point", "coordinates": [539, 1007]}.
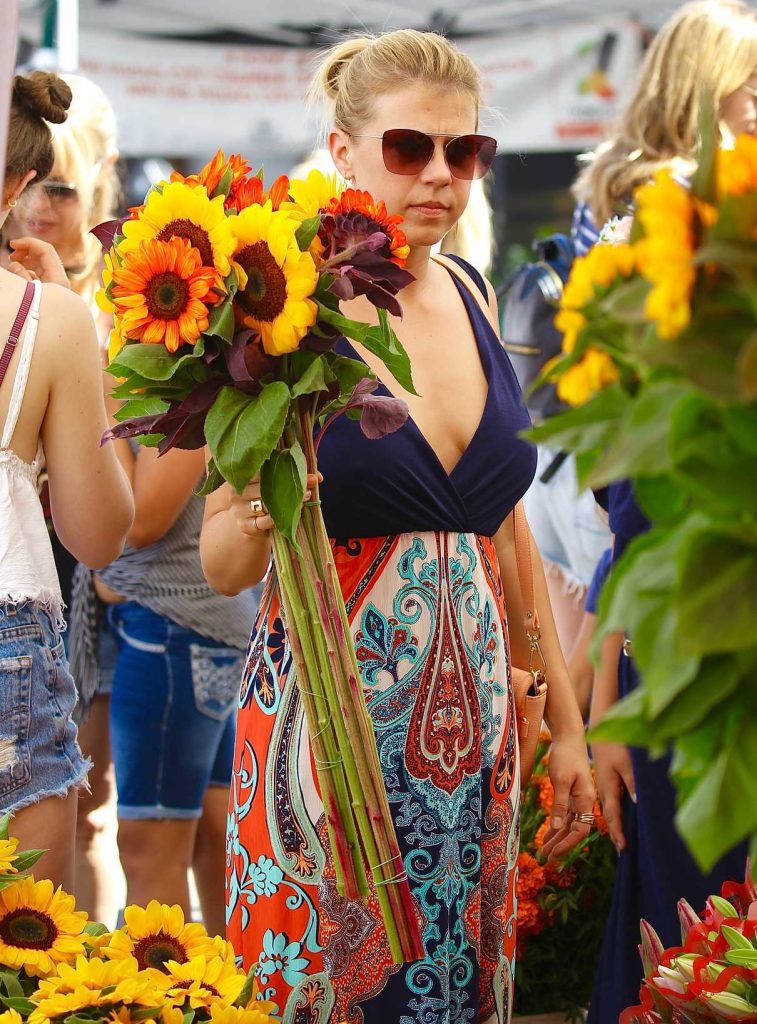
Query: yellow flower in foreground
{"type": "Point", "coordinates": [11, 1017]}
{"type": "Point", "coordinates": [156, 934]}
{"type": "Point", "coordinates": [39, 926]}
{"type": "Point", "coordinates": [736, 169]}
{"type": "Point", "coordinates": [88, 984]}
{"type": "Point", "coordinates": [185, 211]}
{"type": "Point", "coordinates": [594, 371]}
{"type": "Point", "coordinates": [8, 857]}
{"type": "Point", "coordinates": [116, 338]}
{"type": "Point", "coordinates": [259, 1012]}
{"type": "Point", "coordinates": [312, 194]}
{"type": "Point", "coordinates": [598, 269]}
{"type": "Point", "coordinates": [276, 280]}
{"type": "Point", "coordinates": [201, 981]}
{"type": "Point", "coordinates": [665, 211]}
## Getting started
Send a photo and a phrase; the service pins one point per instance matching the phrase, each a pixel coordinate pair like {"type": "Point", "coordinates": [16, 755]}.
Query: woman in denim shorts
{"type": "Point", "coordinates": [180, 655]}
{"type": "Point", "coordinates": [41, 766]}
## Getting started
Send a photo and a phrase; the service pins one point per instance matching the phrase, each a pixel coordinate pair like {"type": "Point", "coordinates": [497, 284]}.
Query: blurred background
{"type": "Point", "coordinates": [188, 76]}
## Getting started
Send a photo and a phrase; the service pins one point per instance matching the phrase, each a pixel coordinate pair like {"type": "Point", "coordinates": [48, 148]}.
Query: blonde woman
{"type": "Point", "coordinates": [421, 523]}
{"type": "Point", "coordinates": [706, 50]}
{"type": "Point", "coordinates": [51, 354]}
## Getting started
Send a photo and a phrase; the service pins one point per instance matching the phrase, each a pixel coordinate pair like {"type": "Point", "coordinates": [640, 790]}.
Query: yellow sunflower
{"type": "Point", "coordinates": [276, 280]}
{"type": "Point", "coordinates": [161, 292]}
{"type": "Point", "coordinates": [8, 857]}
{"type": "Point", "coordinates": [90, 983]}
{"type": "Point", "coordinates": [156, 934]}
{"type": "Point", "coordinates": [11, 1017]}
{"type": "Point", "coordinates": [312, 194]}
{"type": "Point", "coordinates": [594, 371]}
{"type": "Point", "coordinates": [132, 1015]}
{"type": "Point", "coordinates": [736, 169]}
{"type": "Point", "coordinates": [185, 211]}
{"type": "Point", "coordinates": [259, 1012]}
{"type": "Point", "coordinates": [39, 926]}
{"type": "Point", "coordinates": [200, 980]}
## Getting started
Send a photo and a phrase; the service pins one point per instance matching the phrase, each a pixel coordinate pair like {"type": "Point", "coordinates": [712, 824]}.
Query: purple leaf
{"type": "Point", "coordinates": [382, 415]}
{"type": "Point", "coordinates": [107, 231]}
{"type": "Point", "coordinates": [182, 425]}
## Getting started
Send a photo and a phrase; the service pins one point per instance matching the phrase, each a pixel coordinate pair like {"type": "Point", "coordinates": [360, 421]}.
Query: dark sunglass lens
{"type": "Point", "coordinates": [471, 156]}
{"type": "Point", "coordinates": [55, 191]}
{"type": "Point", "coordinates": [406, 151]}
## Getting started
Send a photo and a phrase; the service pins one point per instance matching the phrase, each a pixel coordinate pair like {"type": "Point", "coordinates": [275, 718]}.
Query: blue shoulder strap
{"type": "Point", "coordinates": [471, 271]}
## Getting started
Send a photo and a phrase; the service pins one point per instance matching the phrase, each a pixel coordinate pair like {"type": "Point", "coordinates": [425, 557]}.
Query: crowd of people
{"type": "Point", "coordinates": [127, 601]}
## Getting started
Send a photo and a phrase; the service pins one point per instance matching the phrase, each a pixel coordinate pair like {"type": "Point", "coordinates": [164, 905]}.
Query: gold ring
{"type": "Point", "coordinates": [257, 508]}
{"type": "Point", "coordinates": [585, 818]}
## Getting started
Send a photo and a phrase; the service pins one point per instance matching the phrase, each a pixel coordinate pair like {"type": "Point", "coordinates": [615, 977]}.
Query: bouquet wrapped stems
{"type": "Point", "coordinates": [354, 797]}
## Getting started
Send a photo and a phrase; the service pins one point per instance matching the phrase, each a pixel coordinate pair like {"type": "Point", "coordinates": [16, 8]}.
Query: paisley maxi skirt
{"type": "Point", "coordinates": [429, 626]}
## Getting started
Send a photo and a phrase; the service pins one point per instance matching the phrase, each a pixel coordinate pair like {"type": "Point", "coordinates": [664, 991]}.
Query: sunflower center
{"type": "Point", "coordinates": [29, 929]}
{"type": "Point", "coordinates": [265, 295]}
{"type": "Point", "coordinates": [166, 296]}
{"type": "Point", "coordinates": [157, 949]}
{"type": "Point", "coordinates": [193, 233]}
{"type": "Point", "coordinates": [204, 984]}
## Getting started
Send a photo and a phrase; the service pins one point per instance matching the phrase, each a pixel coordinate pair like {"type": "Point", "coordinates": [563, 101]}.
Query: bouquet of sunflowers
{"type": "Point", "coordinates": [560, 906]}
{"type": "Point", "coordinates": [225, 299]}
{"type": "Point", "coordinates": [660, 363]}
{"type": "Point", "coordinates": [57, 967]}
{"type": "Point", "coordinates": [712, 977]}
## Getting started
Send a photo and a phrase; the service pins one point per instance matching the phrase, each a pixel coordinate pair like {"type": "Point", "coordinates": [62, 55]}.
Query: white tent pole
{"type": "Point", "coordinates": [67, 35]}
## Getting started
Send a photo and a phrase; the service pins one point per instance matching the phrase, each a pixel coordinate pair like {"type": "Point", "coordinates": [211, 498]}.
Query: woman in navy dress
{"type": "Point", "coordinates": [422, 536]}
{"type": "Point", "coordinates": [705, 49]}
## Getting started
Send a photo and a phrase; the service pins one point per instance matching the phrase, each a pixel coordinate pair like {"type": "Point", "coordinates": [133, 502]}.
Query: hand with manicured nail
{"type": "Point", "coordinates": [571, 780]}
{"type": "Point", "coordinates": [614, 773]}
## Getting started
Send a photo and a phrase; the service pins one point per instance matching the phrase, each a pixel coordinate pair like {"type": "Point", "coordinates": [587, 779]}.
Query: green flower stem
{"type": "Point", "coordinates": [350, 875]}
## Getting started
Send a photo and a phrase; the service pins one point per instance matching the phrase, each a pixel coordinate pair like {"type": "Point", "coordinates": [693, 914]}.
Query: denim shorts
{"type": "Point", "coordinates": [172, 714]}
{"type": "Point", "coordinates": [39, 753]}
{"type": "Point", "coordinates": [566, 523]}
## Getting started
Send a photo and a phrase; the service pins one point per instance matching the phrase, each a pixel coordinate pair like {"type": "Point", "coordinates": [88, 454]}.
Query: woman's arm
{"type": "Point", "coordinates": [162, 485]}
{"type": "Point", "coordinates": [235, 547]}
{"type": "Point", "coordinates": [568, 759]}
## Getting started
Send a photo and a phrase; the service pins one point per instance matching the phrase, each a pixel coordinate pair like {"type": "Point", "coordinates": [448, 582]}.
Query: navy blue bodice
{"type": "Point", "coordinates": [398, 485]}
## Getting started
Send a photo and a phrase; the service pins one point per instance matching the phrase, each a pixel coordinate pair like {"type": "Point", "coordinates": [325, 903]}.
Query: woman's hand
{"type": "Point", "coordinates": [614, 772]}
{"type": "Point", "coordinates": [32, 258]}
{"type": "Point", "coordinates": [571, 780]}
{"type": "Point", "coordinates": [252, 523]}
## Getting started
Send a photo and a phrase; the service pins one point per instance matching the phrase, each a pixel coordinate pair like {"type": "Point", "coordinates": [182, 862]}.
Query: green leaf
{"type": "Point", "coordinates": [248, 988]}
{"type": "Point", "coordinates": [703, 179]}
{"type": "Point", "coordinates": [141, 407]}
{"type": "Point", "coordinates": [661, 499]}
{"type": "Point", "coordinates": [154, 362]}
{"type": "Point", "coordinates": [27, 859]}
{"type": "Point", "coordinates": [4, 823]}
{"type": "Point", "coordinates": [213, 479]}
{"type": "Point", "coordinates": [746, 368]}
{"type": "Point", "coordinates": [721, 809]}
{"type": "Point", "coordinates": [380, 340]}
{"type": "Point", "coordinates": [316, 377]}
{"type": "Point", "coordinates": [242, 431]}
{"type": "Point", "coordinates": [588, 426]}
{"type": "Point", "coordinates": [23, 1005]}
{"type": "Point", "coordinates": [735, 939]}
{"type": "Point", "coordinates": [625, 302]}
{"type": "Point", "coordinates": [223, 186]}
{"type": "Point", "coordinates": [12, 985]}
{"type": "Point", "coordinates": [307, 231]}
{"type": "Point", "coordinates": [145, 1012]}
{"type": "Point", "coordinates": [348, 372]}
{"type": "Point", "coordinates": [742, 957]}
{"type": "Point", "coordinates": [717, 595]}
{"type": "Point", "coordinates": [221, 321]}
{"type": "Point", "coordinates": [626, 722]}
{"type": "Point", "coordinates": [95, 929]}
{"type": "Point", "coordinates": [282, 487]}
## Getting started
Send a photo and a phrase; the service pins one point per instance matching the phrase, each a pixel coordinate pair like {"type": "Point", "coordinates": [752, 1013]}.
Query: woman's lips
{"type": "Point", "coordinates": [430, 211]}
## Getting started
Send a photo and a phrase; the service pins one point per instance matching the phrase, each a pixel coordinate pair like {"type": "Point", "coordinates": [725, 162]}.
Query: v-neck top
{"type": "Point", "coordinates": [396, 484]}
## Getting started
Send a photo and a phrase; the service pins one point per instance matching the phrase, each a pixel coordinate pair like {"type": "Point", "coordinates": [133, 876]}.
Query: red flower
{"type": "Point", "coordinates": [356, 215]}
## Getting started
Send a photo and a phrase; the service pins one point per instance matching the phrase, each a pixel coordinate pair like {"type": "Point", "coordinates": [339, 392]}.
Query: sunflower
{"type": "Point", "coordinates": [161, 292]}
{"type": "Point", "coordinates": [39, 926]}
{"type": "Point", "coordinates": [362, 208]}
{"type": "Point", "coordinates": [11, 1017]}
{"type": "Point", "coordinates": [736, 169]}
{"type": "Point", "coordinates": [250, 192]}
{"type": "Point", "coordinates": [8, 856]}
{"type": "Point", "coordinates": [156, 934]}
{"type": "Point", "coordinates": [185, 211]}
{"type": "Point", "coordinates": [91, 983]}
{"type": "Point", "coordinates": [213, 172]}
{"type": "Point", "coordinates": [593, 371]}
{"type": "Point", "coordinates": [135, 1015]}
{"type": "Point", "coordinates": [259, 1012]}
{"type": "Point", "coordinates": [200, 980]}
{"type": "Point", "coordinates": [276, 280]}
{"type": "Point", "coordinates": [310, 195]}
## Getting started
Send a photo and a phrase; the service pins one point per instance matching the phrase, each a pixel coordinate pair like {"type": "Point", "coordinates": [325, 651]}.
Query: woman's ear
{"type": "Point", "coordinates": [15, 190]}
{"type": "Point", "coordinates": [339, 145]}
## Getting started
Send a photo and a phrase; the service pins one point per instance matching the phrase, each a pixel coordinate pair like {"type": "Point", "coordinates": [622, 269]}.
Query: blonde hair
{"type": "Point", "coordinates": [352, 73]}
{"type": "Point", "coordinates": [85, 153]}
{"type": "Point", "coordinates": [708, 49]}
{"type": "Point", "coordinates": [473, 235]}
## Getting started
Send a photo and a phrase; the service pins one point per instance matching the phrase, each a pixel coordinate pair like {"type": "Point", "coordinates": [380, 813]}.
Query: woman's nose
{"type": "Point", "coordinates": [437, 169]}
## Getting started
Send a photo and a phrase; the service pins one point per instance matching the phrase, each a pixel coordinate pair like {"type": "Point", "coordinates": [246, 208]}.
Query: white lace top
{"type": "Point", "coordinates": [27, 567]}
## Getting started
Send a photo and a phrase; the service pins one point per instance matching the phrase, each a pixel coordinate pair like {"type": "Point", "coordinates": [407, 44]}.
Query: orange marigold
{"type": "Point", "coordinates": [353, 200]}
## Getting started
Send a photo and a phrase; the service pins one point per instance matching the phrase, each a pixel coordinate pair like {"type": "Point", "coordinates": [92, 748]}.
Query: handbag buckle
{"type": "Point", "coordinates": [537, 666]}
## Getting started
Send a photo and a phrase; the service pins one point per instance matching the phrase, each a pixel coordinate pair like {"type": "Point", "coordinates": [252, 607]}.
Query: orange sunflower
{"type": "Point", "coordinates": [162, 291]}
{"type": "Point", "coordinates": [211, 174]}
{"type": "Point", "coordinates": [251, 191]}
{"type": "Point", "coordinates": [353, 201]}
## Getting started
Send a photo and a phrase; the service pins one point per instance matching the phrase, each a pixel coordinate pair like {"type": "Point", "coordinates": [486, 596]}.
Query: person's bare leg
{"type": "Point", "coordinates": [50, 825]}
{"type": "Point", "coordinates": [209, 860]}
{"type": "Point", "coordinates": [155, 856]}
{"type": "Point", "coordinates": [96, 848]}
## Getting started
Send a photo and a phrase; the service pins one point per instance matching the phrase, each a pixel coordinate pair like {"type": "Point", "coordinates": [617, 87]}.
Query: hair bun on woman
{"type": "Point", "coordinates": [43, 94]}
{"type": "Point", "coordinates": [335, 64]}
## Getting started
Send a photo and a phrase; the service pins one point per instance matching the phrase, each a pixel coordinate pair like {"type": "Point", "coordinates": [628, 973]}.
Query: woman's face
{"type": "Point", "coordinates": [53, 211]}
{"type": "Point", "coordinates": [739, 108]}
{"type": "Point", "coordinates": [431, 201]}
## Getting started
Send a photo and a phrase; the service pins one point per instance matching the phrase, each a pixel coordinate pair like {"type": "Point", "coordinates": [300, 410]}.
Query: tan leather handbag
{"type": "Point", "coordinates": [529, 684]}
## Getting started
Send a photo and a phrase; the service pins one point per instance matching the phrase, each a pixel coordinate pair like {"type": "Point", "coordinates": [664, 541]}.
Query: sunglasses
{"type": "Point", "coordinates": [407, 151]}
{"type": "Point", "coordinates": [59, 191]}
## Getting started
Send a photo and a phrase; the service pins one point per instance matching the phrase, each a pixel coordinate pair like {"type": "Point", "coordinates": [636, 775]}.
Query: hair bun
{"type": "Point", "coordinates": [43, 94]}
{"type": "Point", "coordinates": [336, 62]}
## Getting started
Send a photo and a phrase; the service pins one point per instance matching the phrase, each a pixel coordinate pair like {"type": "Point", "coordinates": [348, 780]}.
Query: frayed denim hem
{"type": "Point", "coordinates": [78, 782]}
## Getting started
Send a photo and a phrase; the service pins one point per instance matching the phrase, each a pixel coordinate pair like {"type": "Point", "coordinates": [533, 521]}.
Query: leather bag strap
{"type": "Point", "coordinates": [16, 329]}
{"type": "Point", "coordinates": [456, 270]}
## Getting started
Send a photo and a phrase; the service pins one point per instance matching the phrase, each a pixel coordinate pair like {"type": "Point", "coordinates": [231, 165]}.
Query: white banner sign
{"type": "Point", "coordinates": [554, 89]}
